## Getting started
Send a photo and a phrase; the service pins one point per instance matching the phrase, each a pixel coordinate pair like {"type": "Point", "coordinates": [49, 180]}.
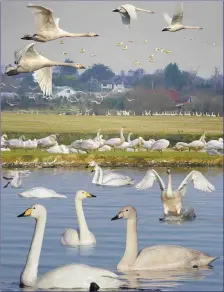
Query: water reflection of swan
{"type": "Point", "coordinates": [161, 279]}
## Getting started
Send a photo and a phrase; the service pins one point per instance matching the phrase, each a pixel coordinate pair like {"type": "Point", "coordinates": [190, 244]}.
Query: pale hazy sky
{"type": "Point", "coordinates": [97, 16]}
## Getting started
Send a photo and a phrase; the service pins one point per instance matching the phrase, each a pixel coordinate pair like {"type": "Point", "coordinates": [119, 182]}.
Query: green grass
{"type": "Point", "coordinates": [117, 158]}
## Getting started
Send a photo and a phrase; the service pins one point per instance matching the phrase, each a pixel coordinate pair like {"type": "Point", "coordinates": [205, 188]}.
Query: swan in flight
{"type": "Point", "coordinates": [114, 142]}
{"type": "Point", "coordinates": [65, 277]}
{"type": "Point", "coordinates": [48, 27]}
{"type": "Point", "coordinates": [128, 13]}
{"type": "Point", "coordinates": [108, 178]}
{"type": "Point", "coordinates": [175, 23]}
{"type": "Point", "coordinates": [40, 192]}
{"type": "Point", "coordinates": [81, 236]}
{"type": "Point", "coordinates": [172, 200]}
{"type": "Point", "coordinates": [157, 257]}
{"type": "Point", "coordinates": [28, 60]}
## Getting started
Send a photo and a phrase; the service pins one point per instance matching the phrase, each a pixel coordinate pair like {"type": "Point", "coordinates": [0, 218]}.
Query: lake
{"type": "Point", "coordinates": [205, 233]}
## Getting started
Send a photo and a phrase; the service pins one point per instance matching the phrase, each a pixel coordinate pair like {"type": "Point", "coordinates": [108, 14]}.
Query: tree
{"type": "Point", "coordinates": [173, 76]}
{"type": "Point", "coordinates": [97, 71]}
{"type": "Point", "coordinates": [66, 70]}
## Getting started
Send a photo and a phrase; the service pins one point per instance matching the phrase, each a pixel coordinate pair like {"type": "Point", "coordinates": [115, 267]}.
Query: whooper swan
{"type": "Point", "coordinates": [65, 277]}
{"type": "Point", "coordinates": [82, 236]}
{"type": "Point", "coordinates": [157, 257]}
{"type": "Point", "coordinates": [40, 192]}
{"type": "Point", "coordinates": [114, 142]}
{"type": "Point", "coordinates": [175, 23]}
{"type": "Point", "coordinates": [128, 13]}
{"type": "Point", "coordinates": [28, 60]}
{"type": "Point", "coordinates": [172, 200]}
{"type": "Point", "coordinates": [48, 27]}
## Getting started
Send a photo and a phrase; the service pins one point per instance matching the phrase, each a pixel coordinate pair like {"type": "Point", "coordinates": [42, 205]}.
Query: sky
{"type": "Point", "coordinates": [97, 16]}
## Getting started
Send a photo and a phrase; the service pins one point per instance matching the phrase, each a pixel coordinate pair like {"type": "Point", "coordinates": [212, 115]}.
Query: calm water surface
{"type": "Point", "coordinates": [205, 233]}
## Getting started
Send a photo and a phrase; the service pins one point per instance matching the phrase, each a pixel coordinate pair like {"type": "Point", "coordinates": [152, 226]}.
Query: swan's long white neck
{"type": "Point", "coordinates": [50, 63]}
{"type": "Point", "coordinates": [64, 33]}
{"type": "Point", "coordinates": [131, 250]}
{"type": "Point", "coordinates": [96, 176]}
{"type": "Point", "coordinates": [100, 175]}
{"type": "Point", "coordinates": [83, 227]}
{"type": "Point", "coordinates": [29, 274]}
{"type": "Point", "coordinates": [122, 135]}
{"type": "Point", "coordinates": [169, 191]}
{"type": "Point", "coordinates": [129, 137]}
{"type": "Point", "coordinates": [191, 27]}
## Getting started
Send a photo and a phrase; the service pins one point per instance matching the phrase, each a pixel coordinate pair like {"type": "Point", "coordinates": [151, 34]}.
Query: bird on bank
{"type": "Point", "coordinates": [48, 27]}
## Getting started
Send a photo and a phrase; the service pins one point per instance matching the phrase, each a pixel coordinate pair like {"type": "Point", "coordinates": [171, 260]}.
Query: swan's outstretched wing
{"type": "Point", "coordinates": [178, 16]}
{"type": "Point", "coordinates": [27, 52]}
{"type": "Point", "coordinates": [199, 182]}
{"type": "Point", "coordinates": [44, 78]}
{"type": "Point", "coordinates": [167, 18]}
{"type": "Point", "coordinates": [150, 177]}
{"type": "Point", "coordinates": [131, 14]}
{"type": "Point", "coordinates": [16, 182]}
{"type": "Point", "coordinates": [44, 18]}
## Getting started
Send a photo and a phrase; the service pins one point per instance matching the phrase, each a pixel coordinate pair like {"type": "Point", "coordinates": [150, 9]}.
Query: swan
{"type": "Point", "coordinates": [114, 142]}
{"type": "Point", "coordinates": [108, 178]}
{"type": "Point", "coordinates": [15, 143]}
{"type": "Point", "coordinates": [157, 257]}
{"type": "Point", "coordinates": [197, 144]}
{"type": "Point", "coordinates": [172, 200]}
{"type": "Point", "coordinates": [128, 13]}
{"type": "Point", "coordinates": [47, 141]}
{"type": "Point", "coordinates": [15, 179]}
{"type": "Point", "coordinates": [180, 146]}
{"type": "Point", "coordinates": [148, 144]}
{"type": "Point", "coordinates": [82, 236]}
{"type": "Point", "coordinates": [136, 143]}
{"type": "Point", "coordinates": [30, 144]}
{"type": "Point", "coordinates": [4, 137]}
{"type": "Point", "coordinates": [65, 277]}
{"type": "Point", "coordinates": [104, 148]}
{"type": "Point", "coordinates": [28, 60]}
{"type": "Point", "coordinates": [40, 192]}
{"type": "Point", "coordinates": [62, 149]}
{"type": "Point", "coordinates": [175, 23]}
{"type": "Point", "coordinates": [160, 145]}
{"type": "Point", "coordinates": [214, 144]}
{"type": "Point", "coordinates": [125, 144]}
{"type": "Point", "coordinates": [48, 26]}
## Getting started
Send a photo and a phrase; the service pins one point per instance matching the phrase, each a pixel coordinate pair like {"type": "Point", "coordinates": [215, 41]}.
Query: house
{"type": "Point", "coordinates": [63, 91]}
{"type": "Point", "coordinates": [112, 83]}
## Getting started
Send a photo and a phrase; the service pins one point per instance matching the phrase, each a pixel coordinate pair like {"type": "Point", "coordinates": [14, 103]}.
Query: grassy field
{"type": "Point", "coordinates": [38, 158]}
{"type": "Point", "coordinates": [49, 123]}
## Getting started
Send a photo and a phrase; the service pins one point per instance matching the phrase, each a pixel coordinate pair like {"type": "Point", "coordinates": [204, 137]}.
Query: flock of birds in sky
{"type": "Point", "coordinates": [162, 257]}
{"type": "Point", "coordinates": [83, 146]}
{"type": "Point", "coordinates": [28, 60]}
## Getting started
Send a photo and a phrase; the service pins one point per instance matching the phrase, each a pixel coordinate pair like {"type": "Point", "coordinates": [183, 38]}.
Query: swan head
{"type": "Point", "coordinates": [35, 211]}
{"type": "Point", "coordinates": [92, 164]}
{"type": "Point", "coordinates": [166, 29]}
{"type": "Point", "coordinates": [81, 194]}
{"type": "Point", "coordinates": [6, 137]}
{"type": "Point", "coordinates": [116, 9]}
{"type": "Point", "coordinates": [79, 66]}
{"type": "Point", "coordinates": [127, 212]}
{"type": "Point", "coordinates": [10, 71]}
{"type": "Point", "coordinates": [168, 171]}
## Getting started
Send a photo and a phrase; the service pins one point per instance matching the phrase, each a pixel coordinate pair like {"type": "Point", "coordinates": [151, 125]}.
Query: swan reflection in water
{"type": "Point", "coordinates": [162, 279]}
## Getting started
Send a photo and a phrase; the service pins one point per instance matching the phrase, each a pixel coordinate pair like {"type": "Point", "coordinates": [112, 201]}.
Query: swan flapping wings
{"type": "Point", "coordinates": [130, 15]}
{"type": "Point", "coordinates": [44, 78]}
{"type": "Point", "coordinates": [150, 177]}
{"type": "Point", "coordinates": [26, 52]}
{"type": "Point", "coordinates": [199, 182]}
{"type": "Point", "coordinates": [44, 18]}
{"type": "Point", "coordinates": [177, 17]}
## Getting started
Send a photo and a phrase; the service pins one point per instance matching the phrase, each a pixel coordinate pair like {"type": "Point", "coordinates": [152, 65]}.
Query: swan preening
{"type": "Point", "coordinates": [82, 236]}
{"type": "Point", "coordinates": [48, 26]}
{"type": "Point", "coordinates": [28, 60]}
{"type": "Point", "coordinates": [157, 257]}
{"type": "Point", "coordinates": [14, 178]}
{"type": "Point", "coordinates": [65, 277]}
{"type": "Point", "coordinates": [172, 200]}
{"type": "Point", "coordinates": [128, 13]}
{"type": "Point", "coordinates": [175, 23]}
{"type": "Point", "coordinates": [109, 178]}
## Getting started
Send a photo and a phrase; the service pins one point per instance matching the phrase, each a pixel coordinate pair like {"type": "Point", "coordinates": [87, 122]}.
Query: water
{"type": "Point", "coordinates": [205, 233]}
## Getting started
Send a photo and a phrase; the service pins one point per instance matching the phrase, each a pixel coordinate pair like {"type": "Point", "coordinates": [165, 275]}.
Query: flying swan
{"type": "Point", "coordinates": [157, 257]}
{"type": "Point", "coordinates": [128, 13]}
{"type": "Point", "coordinates": [82, 236]}
{"type": "Point", "coordinates": [48, 26]}
{"type": "Point", "coordinates": [28, 60]}
{"type": "Point", "coordinates": [65, 277]}
{"type": "Point", "coordinates": [175, 23]}
{"type": "Point", "coordinates": [172, 200]}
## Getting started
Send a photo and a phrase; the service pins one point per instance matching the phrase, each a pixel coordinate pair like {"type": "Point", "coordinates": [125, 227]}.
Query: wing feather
{"type": "Point", "coordinates": [27, 51]}
{"type": "Point", "coordinates": [150, 177]}
{"type": "Point", "coordinates": [199, 182]}
{"type": "Point", "coordinates": [167, 18]}
{"type": "Point", "coordinates": [178, 16]}
{"type": "Point", "coordinates": [44, 78]}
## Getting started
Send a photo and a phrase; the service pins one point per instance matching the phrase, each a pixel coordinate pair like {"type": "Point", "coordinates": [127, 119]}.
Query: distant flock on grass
{"type": "Point", "coordinates": [84, 146]}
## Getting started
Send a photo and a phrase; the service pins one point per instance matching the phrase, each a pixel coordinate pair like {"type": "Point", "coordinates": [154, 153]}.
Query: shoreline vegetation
{"type": "Point", "coordinates": [71, 128]}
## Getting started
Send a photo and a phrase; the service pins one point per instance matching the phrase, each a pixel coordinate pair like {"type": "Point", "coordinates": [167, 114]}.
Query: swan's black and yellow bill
{"type": "Point", "coordinates": [26, 213]}
{"type": "Point", "coordinates": [116, 217]}
{"type": "Point", "coordinates": [90, 195]}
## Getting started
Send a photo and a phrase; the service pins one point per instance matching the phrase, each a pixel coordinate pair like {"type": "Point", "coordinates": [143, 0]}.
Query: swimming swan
{"type": "Point", "coordinates": [108, 178]}
{"type": "Point", "coordinates": [28, 60]}
{"type": "Point", "coordinates": [128, 13]}
{"type": "Point", "coordinates": [175, 23]}
{"type": "Point", "coordinates": [40, 192]}
{"type": "Point", "coordinates": [172, 200]}
{"type": "Point", "coordinates": [65, 277]}
{"type": "Point", "coordinates": [48, 26]}
{"type": "Point", "coordinates": [83, 236]}
{"type": "Point", "coordinates": [157, 257]}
